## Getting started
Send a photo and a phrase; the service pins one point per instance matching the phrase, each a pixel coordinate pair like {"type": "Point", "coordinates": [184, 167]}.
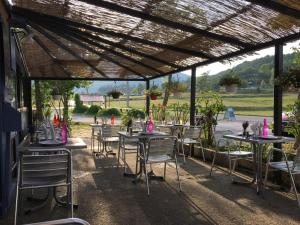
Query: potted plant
{"type": "Point", "coordinates": [55, 93]}
{"type": "Point", "coordinates": [114, 94]}
{"type": "Point", "coordinates": [230, 82]}
{"type": "Point", "coordinates": [177, 88]}
{"type": "Point", "coordinates": [153, 92]}
{"type": "Point", "coordinates": [292, 80]}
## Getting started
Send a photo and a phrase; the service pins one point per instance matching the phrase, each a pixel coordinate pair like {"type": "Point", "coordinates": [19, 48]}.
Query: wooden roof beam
{"type": "Point", "coordinates": [64, 47]}
{"type": "Point", "coordinates": [74, 38]}
{"type": "Point", "coordinates": [166, 22]}
{"type": "Point", "coordinates": [50, 19]}
{"type": "Point", "coordinates": [48, 52]}
{"type": "Point", "coordinates": [278, 7]}
{"type": "Point", "coordinates": [69, 34]}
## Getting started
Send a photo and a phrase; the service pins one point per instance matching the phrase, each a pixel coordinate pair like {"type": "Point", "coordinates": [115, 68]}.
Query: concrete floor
{"type": "Point", "coordinates": [106, 197]}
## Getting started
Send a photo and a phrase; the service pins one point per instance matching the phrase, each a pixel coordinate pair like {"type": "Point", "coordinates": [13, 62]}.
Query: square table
{"type": "Point", "coordinates": [258, 143]}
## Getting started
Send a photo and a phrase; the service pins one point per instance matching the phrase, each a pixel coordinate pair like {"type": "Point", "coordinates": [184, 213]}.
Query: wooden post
{"type": "Point", "coordinates": [147, 98]}
{"type": "Point", "coordinates": [193, 97]}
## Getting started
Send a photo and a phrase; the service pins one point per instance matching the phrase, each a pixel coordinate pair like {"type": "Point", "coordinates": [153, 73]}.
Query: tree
{"type": "Point", "coordinates": [204, 83]}
{"type": "Point", "coordinates": [167, 90]}
{"type": "Point", "coordinates": [64, 88]}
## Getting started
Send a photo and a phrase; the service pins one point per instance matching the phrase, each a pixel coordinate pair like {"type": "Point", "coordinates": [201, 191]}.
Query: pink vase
{"type": "Point", "coordinates": [265, 128]}
{"type": "Point", "coordinates": [64, 133]}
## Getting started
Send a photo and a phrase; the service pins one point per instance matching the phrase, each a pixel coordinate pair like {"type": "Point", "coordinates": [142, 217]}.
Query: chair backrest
{"type": "Point", "coordinates": [44, 164]}
{"type": "Point", "coordinates": [161, 145]}
{"type": "Point", "coordinates": [192, 132]}
{"type": "Point", "coordinates": [109, 131]}
{"type": "Point", "coordinates": [220, 141]}
{"type": "Point", "coordinates": [68, 221]}
{"type": "Point", "coordinates": [296, 165]}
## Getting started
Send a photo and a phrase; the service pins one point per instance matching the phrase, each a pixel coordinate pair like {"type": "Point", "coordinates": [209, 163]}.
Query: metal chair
{"type": "Point", "coordinates": [107, 136]}
{"type": "Point", "coordinates": [94, 136]}
{"type": "Point", "coordinates": [234, 151]}
{"type": "Point", "coordinates": [191, 136]}
{"type": "Point", "coordinates": [158, 149]}
{"type": "Point", "coordinates": [68, 221]}
{"type": "Point", "coordinates": [44, 168]}
{"type": "Point", "coordinates": [290, 167]}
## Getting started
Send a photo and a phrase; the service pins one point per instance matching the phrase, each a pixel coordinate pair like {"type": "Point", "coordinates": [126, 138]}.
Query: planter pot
{"type": "Point", "coordinates": [115, 95]}
{"type": "Point", "coordinates": [177, 94]}
{"type": "Point", "coordinates": [56, 97]}
{"type": "Point", "coordinates": [153, 97]}
{"type": "Point", "coordinates": [231, 88]}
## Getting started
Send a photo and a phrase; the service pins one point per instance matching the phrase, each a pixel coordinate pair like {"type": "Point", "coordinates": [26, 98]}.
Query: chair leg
{"type": "Point", "coordinates": [177, 172]}
{"type": "Point", "coordinates": [182, 149]}
{"type": "Point", "coordinates": [203, 156]}
{"type": "Point", "coordinates": [146, 175]}
{"type": "Point", "coordinates": [191, 145]}
{"type": "Point", "coordinates": [165, 168]}
{"type": "Point", "coordinates": [16, 206]}
{"type": "Point", "coordinates": [233, 169]}
{"type": "Point", "coordinates": [137, 162]}
{"type": "Point", "coordinates": [230, 167]}
{"type": "Point", "coordinates": [213, 163]}
{"type": "Point", "coordinates": [266, 176]}
{"type": "Point", "coordinates": [119, 151]}
{"type": "Point", "coordinates": [295, 189]}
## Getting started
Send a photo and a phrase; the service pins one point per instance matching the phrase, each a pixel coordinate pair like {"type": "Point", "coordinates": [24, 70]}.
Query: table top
{"type": "Point", "coordinates": [96, 125]}
{"type": "Point", "coordinates": [75, 143]}
{"type": "Point", "coordinates": [141, 134]}
{"type": "Point", "coordinates": [260, 140]}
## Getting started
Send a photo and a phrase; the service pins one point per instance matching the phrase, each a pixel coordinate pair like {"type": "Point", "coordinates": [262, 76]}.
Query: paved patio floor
{"type": "Point", "coordinates": [106, 197]}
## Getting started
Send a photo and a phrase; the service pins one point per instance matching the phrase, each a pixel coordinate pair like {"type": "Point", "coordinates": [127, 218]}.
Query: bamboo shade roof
{"type": "Point", "coordinates": [133, 39]}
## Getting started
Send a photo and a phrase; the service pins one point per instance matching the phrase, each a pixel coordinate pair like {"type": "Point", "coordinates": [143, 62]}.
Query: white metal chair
{"type": "Point", "coordinates": [158, 149]}
{"type": "Point", "coordinates": [107, 136]}
{"type": "Point", "coordinates": [287, 166]}
{"type": "Point", "coordinates": [234, 150]}
{"type": "Point", "coordinates": [68, 221]}
{"type": "Point", "coordinates": [191, 136]}
{"type": "Point", "coordinates": [94, 136]}
{"type": "Point", "coordinates": [44, 168]}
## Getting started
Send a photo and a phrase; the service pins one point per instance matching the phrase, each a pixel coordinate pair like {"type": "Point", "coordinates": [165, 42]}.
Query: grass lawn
{"type": "Point", "coordinates": [244, 104]}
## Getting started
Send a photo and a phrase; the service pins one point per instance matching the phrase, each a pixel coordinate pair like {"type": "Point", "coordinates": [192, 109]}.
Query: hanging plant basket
{"type": "Point", "coordinates": [153, 97]}
{"type": "Point", "coordinates": [56, 95]}
{"type": "Point", "coordinates": [115, 94]}
{"type": "Point", "coordinates": [153, 93]}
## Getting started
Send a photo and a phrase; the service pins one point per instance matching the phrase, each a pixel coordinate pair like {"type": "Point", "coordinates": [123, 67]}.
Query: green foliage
{"type": "Point", "coordinates": [93, 110]}
{"type": "Point", "coordinates": [138, 89]}
{"type": "Point", "coordinates": [209, 105]}
{"type": "Point", "coordinates": [79, 107]}
{"type": "Point", "coordinates": [153, 91]}
{"type": "Point", "coordinates": [136, 113]}
{"type": "Point", "coordinates": [181, 112]}
{"type": "Point", "coordinates": [230, 79]}
{"type": "Point", "coordinates": [177, 87]}
{"type": "Point", "coordinates": [159, 112]}
{"type": "Point", "coordinates": [294, 117]}
{"type": "Point", "coordinates": [108, 112]}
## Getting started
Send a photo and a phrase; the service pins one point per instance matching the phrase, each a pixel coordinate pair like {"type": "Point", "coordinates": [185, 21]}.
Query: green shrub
{"type": "Point", "coordinates": [136, 113]}
{"type": "Point", "coordinates": [93, 110]}
{"type": "Point", "coordinates": [79, 107]}
{"type": "Point", "coordinates": [109, 112]}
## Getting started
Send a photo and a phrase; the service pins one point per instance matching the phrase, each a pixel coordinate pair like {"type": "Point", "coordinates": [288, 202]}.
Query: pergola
{"type": "Point", "coordinates": [143, 40]}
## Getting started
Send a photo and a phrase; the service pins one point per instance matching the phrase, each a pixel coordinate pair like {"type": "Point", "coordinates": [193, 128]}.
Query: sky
{"type": "Point", "coordinates": [217, 67]}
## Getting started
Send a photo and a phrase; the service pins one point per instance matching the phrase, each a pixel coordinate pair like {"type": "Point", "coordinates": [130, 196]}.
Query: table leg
{"type": "Point", "coordinates": [259, 174]}
{"type": "Point", "coordinates": [62, 200]}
